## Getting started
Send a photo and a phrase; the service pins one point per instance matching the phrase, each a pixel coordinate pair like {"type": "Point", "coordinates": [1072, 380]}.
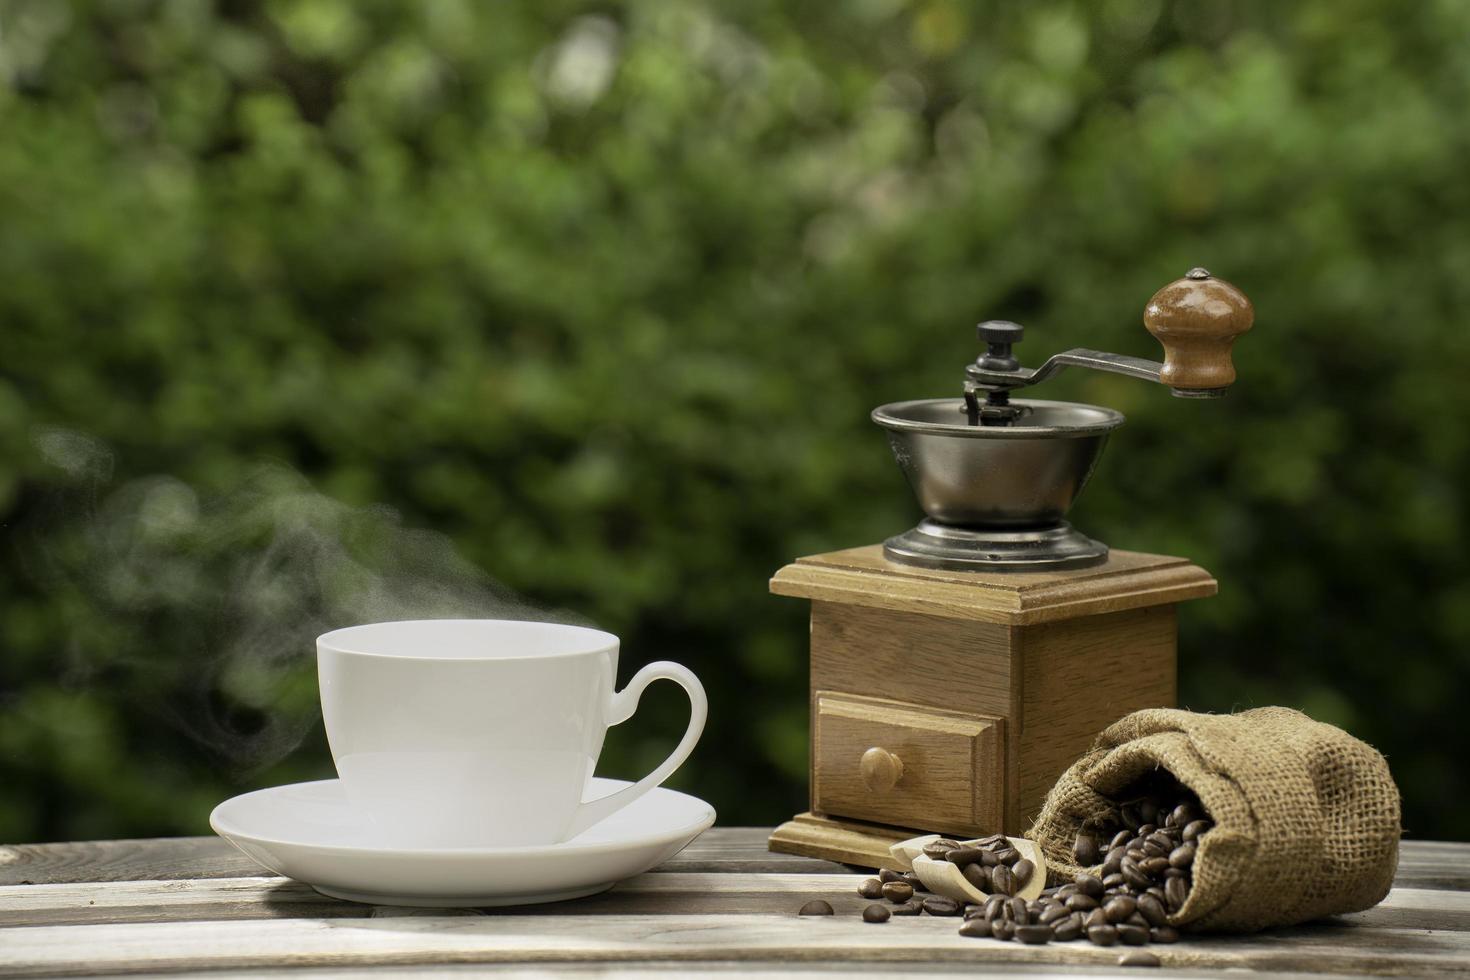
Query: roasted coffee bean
{"type": "Point", "coordinates": [1134, 875]}
{"type": "Point", "coordinates": [1118, 908]}
{"type": "Point", "coordinates": [1002, 929]}
{"type": "Point", "coordinates": [1021, 870]}
{"type": "Point", "coordinates": [1152, 909]}
{"type": "Point", "coordinates": [977, 875]}
{"type": "Point", "coordinates": [1138, 957]}
{"type": "Point", "coordinates": [1157, 891]}
{"type": "Point", "coordinates": [1162, 839]}
{"type": "Point", "coordinates": [1184, 814]}
{"type": "Point", "coordinates": [897, 892]}
{"type": "Point", "coordinates": [939, 905]}
{"type": "Point", "coordinates": [1175, 873]}
{"type": "Point", "coordinates": [1097, 917]}
{"type": "Point", "coordinates": [1081, 903]}
{"type": "Point", "coordinates": [1034, 935]}
{"type": "Point", "coordinates": [1128, 813]}
{"type": "Point", "coordinates": [871, 888]}
{"type": "Point", "coordinates": [1152, 848]}
{"type": "Point", "coordinates": [887, 875]}
{"type": "Point", "coordinates": [1132, 935]}
{"type": "Point", "coordinates": [1008, 856]}
{"type": "Point", "coordinates": [1113, 862]}
{"type": "Point", "coordinates": [1020, 915]}
{"type": "Point", "coordinates": [1003, 880]}
{"type": "Point", "coordinates": [1121, 838]}
{"type": "Point", "coordinates": [1175, 893]}
{"type": "Point", "coordinates": [1053, 913]}
{"type": "Point", "coordinates": [1113, 881]}
{"type": "Point", "coordinates": [993, 905]}
{"type": "Point", "coordinates": [1182, 856]}
{"type": "Point", "coordinates": [1136, 919]}
{"type": "Point", "coordinates": [1148, 811]}
{"type": "Point", "coordinates": [1067, 930]}
{"type": "Point", "coordinates": [975, 929]}
{"type": "Point", "coordinates": [913, 880]}
{"type": "Point", "coordinates": [962, 856]}
{"type": "Point", "coordinates": [989, 859]}
{"type": "Point", "coordinates": [1102, 935]}
{"type": "Point", "coordinates": [937, 849]}
{"type": "Point", "coordinates": [1084, 849]}
{"type": "Point", "coordinates": [1194, 828]}
{"type": "Point", "coordinates": [1087, 884]}
{"type": "Point", "coordinates": [876, 913]}
{"type": "Point", "coordinates": [816, 907]}
{"type": "Point", "coordinates": [1163, 934]}
{"type": "Point", "coordinates": [907, 908]}
{"type": "Point", "coordinates": [1154, 866]}
{"type": "Point", "coordinates": [1145, 830]}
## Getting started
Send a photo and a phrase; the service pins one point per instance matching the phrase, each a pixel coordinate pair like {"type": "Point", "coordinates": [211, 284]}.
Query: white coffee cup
{"type": "Point", "coordinates": [482, 732]}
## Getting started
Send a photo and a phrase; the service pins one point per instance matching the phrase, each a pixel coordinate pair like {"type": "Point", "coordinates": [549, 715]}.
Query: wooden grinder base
{"type": "Point", "coordinates": [950, 702]}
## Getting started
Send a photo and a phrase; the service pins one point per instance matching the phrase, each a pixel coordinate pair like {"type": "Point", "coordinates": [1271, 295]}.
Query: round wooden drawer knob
{"type": "Point", "coordinates": [881, 769]}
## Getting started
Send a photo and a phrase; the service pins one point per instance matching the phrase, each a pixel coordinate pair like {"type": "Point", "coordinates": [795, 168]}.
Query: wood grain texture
{"type": "Point", "coordinates": [852, 842]}
{"type": "Point", "coordinates": [1077, 677]}
{"type": "Point", "coordinates": [736, 850]}
{"type": "Point", "coordinates": [660, 924]}
{"type": "Point", "coordinates": [952, 774]}
{"type": "Point", "coordinates": [1365, 943]}
{"type": "Point", "coordinates": [862, 576]}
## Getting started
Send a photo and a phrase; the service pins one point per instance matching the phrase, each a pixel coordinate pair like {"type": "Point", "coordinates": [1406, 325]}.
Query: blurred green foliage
{"type": "Point", "coordinates": [604, 292]}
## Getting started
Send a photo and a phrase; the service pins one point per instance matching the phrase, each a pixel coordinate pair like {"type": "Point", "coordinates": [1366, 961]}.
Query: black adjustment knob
{"type": "Point", "coordinates": [1000, 332]}
{"type": "Point", "coordinates": [998, 336]}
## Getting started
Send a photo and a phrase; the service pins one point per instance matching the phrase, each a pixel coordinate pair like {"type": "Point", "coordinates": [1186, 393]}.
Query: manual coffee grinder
{"type": "Point", "coordinates": [959, 667]}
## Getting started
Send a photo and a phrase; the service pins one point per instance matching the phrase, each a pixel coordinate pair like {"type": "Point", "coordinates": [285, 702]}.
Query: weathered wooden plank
{"type": "Point", "coordinates": [668, 893]}
{"type": "Point", "coordinates": [726, 970]}
{"type": "Point", "coordinates": [746, 939]}
{"type": "Point", "coordinates": [740, 850]}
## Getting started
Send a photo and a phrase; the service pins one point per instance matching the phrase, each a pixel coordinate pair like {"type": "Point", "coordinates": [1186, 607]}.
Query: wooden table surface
{"type": "Point", "coordinates": [725, 905]}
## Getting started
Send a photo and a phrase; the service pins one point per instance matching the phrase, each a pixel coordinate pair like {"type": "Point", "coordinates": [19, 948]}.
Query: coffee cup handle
{"type": "Point", "coordinates": [620, 709]}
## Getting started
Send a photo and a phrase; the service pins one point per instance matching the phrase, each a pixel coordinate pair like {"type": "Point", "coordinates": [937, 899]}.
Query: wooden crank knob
{"type": "Point", "coordinates": [881, 769]}
{"type": "Point", "coordinates": [1197, 319]}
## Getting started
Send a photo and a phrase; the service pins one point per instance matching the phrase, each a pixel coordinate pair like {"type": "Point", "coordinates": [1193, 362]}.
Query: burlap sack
{"type": "Point", "coordinates": [1306, 816]}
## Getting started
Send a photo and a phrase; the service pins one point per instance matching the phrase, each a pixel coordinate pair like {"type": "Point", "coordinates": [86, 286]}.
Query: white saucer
{"type": "Point", "coordinates": [308, 832]}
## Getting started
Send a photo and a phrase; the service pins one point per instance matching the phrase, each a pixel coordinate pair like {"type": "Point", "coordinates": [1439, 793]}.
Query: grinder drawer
{"type": "Point", "coordinates": [906, 765]}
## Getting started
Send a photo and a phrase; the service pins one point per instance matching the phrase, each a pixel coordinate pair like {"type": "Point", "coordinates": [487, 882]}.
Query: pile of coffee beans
{"type": "Point", "coordinates": [1147, 857]}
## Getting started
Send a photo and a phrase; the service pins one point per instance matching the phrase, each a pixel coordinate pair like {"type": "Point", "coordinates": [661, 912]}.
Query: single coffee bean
{"type": "Point", "coordinates": [1164, 934]}
{"type": "Point", "coordinates": [1034, 935]}
{"type": "Point", "coordinates": [1138, 957]}
{"type": "Point", "coordinates": [962, 856]}
{"type": "Point", "coordinates": [1132, 935]}
{"type": "Point", "coordinates": [1154, 866]}
{"type": "Point", "coordinates": [1134, 875]}
{"type": "Point", "coordinates": [816, 907]}
{"type": "Point", "coordinates": [913, 881]}
{"type": "Point", "coordinates": [1008, 856]}
{"type": "Point", "coordinates": [1113, 882]}
{"type": "Point", "coordinates": [977, 875]}
{"type": "Point", "coordinates": [1084, 849]}
{"type": "Point", "coordinates": [1194, 828]}
{"type": "Point", "coordinates": [1152, 909]}
{"type": "Point", "coordinates": [1090, 885]}
{"type": "Point", "coordinates": [1097, 917]}
{"type": "Point", "coordinates": [897, 891]}
{"type": "Point", "coordinates": [1184, 814]}
{"type": "Point", "coordinates": [1020, 915]}
{"type": "Point", "coordinates": [1067, 930]}
{"type": "Point", "coordinates": [1120, 838]}
{"type": "Point", "coordinates": [1136, 919]}
{"type": "Point", "coordinates": [907, 908]}
{"type": "Point", "coordinates": [871, 888]}
{"type": "Point", "coordinates": [1128, 813]}
{"type": "Point", "coordinates": [989, 859]}
{"type": "Point", "coordinates": [1022, 871]}
{"type": "Point", "coordinates": [993, 905]}
{"type": "Point", "coordinates": [887, 875]}
{"type": "Point", "coordinates": [1081, 903]}
{"type": "Point", "coordinates": [1151, 848]}
{"type": "Point", "coordinates": [1113, 862]}
{"type": "Point", "coordinates": [1162, 839]}
{"type": "Point", "coordinates": [1118, 908]}
{"type": "Point", "coordinates": [1182, 856]}
{"type": "Point", "coordinates": [876, 913]}
{"type": "Point", "coordinates": [939, 905]}
{"type": "Point", "coordinates": [1003, 880]}
{"type": "Point", "coordinates": [975, 929]}
{"type": "Point", "coordinates": [1175, 894]}
{"type": "Point", "coordinates": [1053, 914]}
{"type": "Point", "coordinates": [1002, 929]}
{"type": "Point", "coordinates": [1175, 873]}
{"type": "Point", "coordinates": [1102, 935]}
{"type": "Point", "coordinates": [937, 849]}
